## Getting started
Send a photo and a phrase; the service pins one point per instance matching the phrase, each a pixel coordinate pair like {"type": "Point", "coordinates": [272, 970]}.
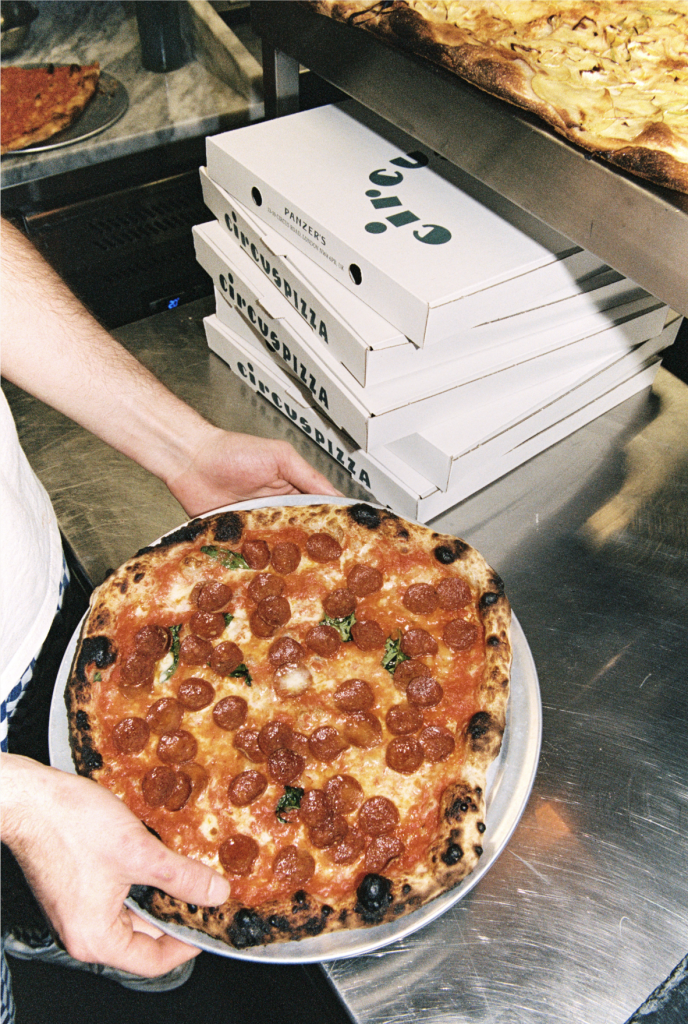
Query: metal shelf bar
{"type": "Point", "coordinates": [640, 230]}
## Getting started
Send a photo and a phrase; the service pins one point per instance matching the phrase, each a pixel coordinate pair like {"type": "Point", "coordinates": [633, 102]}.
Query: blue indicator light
{"type": "Point", "coordinates": [173, 303]}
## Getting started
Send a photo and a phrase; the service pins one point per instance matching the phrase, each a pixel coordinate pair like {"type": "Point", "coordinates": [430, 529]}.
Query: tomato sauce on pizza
{"type": "Point", "coordinates": [305, 698]}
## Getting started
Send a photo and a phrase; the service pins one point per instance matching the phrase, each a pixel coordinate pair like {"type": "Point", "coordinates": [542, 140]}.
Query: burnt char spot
{"type": "Point", "coordinates": [96, 649]}
{"type": "Point", "coordinates": [314, 925]}
{"type": "Point", "coordinates": [280, 924]}
{"type": "Point", "coordinates": [478, 851]}
{"type": "Point", "coordinates": [301, 896]}
{"type": "Point", "coordinates": [405, 889]}
{"type": "Point", "coordinates": [192, 908]}
{"type": "Point", "coordinates": [187, 532]}
{"type": "Point", "coordinates": [488, 599]}
{"type": "Point", "coordinates": [91, 759]}
{"type": "Point", "coordinates": [446, 554]}
{"type": "Point", "coordinates": [374, 896]}
{"type": "Point", "coordinates": [493, 641]}
{"type": "Point", "coordinates": [452, 855]}
{"type": "Point", "coordinates": [365, 515]}
{"type": "Point", "coordinates": [82, 722]}
{"type": "Point", "coordinates": [481, 827]}
{"type": "Point", "coordinates": [326, 911]}
{"type": "Point", "coordinates": [228, 527]}
{"type": "Point", "coordinates": [479, 725]}
{"type": "Point", "coordinates": [138, 577]}
{"type": "Point", "coordinates": [247, 929]}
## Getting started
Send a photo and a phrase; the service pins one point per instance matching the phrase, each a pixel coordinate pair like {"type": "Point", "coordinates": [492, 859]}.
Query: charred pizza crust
{"type": "Point", "coordinates": [37, 103]}
{"type": "Point", "coordinates": [577, 89]}
{"type": "Point", "coordinates": [375, 896]}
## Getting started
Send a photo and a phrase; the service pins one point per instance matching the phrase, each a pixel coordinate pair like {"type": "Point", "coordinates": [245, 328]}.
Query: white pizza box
{"type": "Point", "coordinates": [384, 474]}
{"type": "Point", "coordinates": [428, 247]}
{"type": "Point", "coordinates": [368, 345]}
{"type": "Point", "coordinates": [497, 424]}
{"type": "Point", "coordinates": [256, 370]}
{"type": "Point", "coordinates": [378, 414]}
{"type": "Point", "coordinates": [445, 452]}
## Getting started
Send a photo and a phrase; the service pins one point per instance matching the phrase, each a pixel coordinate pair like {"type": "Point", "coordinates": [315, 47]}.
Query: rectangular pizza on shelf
{"type": "Point", "coordinates": [307, 698]}
{"type": "Point", "coordinates": [609, 75]}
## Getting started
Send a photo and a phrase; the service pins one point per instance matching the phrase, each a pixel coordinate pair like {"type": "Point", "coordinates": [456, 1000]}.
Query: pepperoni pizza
{"type": "Point", "coordinates": [306, 698]}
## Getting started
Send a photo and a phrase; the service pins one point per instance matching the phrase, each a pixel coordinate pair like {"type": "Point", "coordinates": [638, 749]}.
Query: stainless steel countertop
{"type": "Point", "coordinates": [585, 912]}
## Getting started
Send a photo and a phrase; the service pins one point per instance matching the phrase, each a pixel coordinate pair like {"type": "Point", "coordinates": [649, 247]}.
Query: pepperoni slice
{"type": "Point", "coordinates": [293, 865]}
{"type": "Point", "coordinates": [453, 593]}
{"type": "Point", "coordinates": [328, 832]}
{"type": "Point", "coordinates": [381, 851]}
{"type": "Point", "coordinates": [378, 816]}
{"type": "Point", "coordinates": [246, 740]}
{"type": "Point", "coordinates": [424, 691]}
{"type": "Point", "coordinates": [265, 584]}
{"type": "Point", "coordinates": [315, 807]}
{"type": "Point", "coordinates": [256, 553]}
{"type": "Point", "coordinates": [459, 634]}
{"type": "Point", "coordinates": [246, 787]}
{"type": "Point", "coordinates": [344, 793]}
{"type": "Point", "coordinates": [404, 754]}
{"type": "Point", "coordinates": [322, 547]}
{"type": "Point", "coordinates": [153, 641]}
{"type": "Point", "coordinates": [354, 695]}
{"type": "Point", "coordinates": [403, 719]}
{"type": "Point", "coordinates": [363, 580]}
{"type": "Point", "coordinates": [165, 715]}
{"type": "Point", "coordinates": [340, 603]}
{"type": "Point", "coordinates": [230, 712]}
{"type": "Point", "coordinates": [194, 650]}
{"type": "Point", "coordinates": [285, 766]}
{"type": "Point", "coordinates": [275, 734]}
{"type": "Point", "coordinates": [195, 693]}
{"type": "Point", "coordinates": [349, 849]}
{"type": "Point", "coordinates": [261, 628]}
{"type": "Point", "coordinates": [209, 625]}
{"type": "Point", "coordinates": [325, 744]}
{"type": "Point", "coordinates": [437, 743]}
{"type": "Point", "coordinates": [285, 651]}
{"type": "Point", "coordinates": [323, 640]}
{"type": "Point", "coordinates": [179, 796]}
{"type": "Point", "coordinates": [275, 610]}
{"type": "Point", "coordinates": [212, 596]}
{"type": "Point", "coordinates": [226, 657]}
{"type": "Point", "coordinates": [408, 670]}
{"type": "Point", "coordinates": [368, 635]}
{"type": "Point", "coordinates": [416, 642]}
{"type": "Point", "coordinates": [420, 598]}
{"type": "Point", "coordinates": [238, 854]}
{"type": "Point", "coordinates": [362, 729]}
{"type": "Point", "coordinates": [137, 671]}
{"type": "Point", "coordinates": [285, 558]}
{"type": "Point", "coordinates": [198, 776]}
{"type": "Point", "coordinates": [157, 785]}
{"type": "Point", "coordinates": [130, 735]}
{"type": "Point", "coordinates": [177, 747]}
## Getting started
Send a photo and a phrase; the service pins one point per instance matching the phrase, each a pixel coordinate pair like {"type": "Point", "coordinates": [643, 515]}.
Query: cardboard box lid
{"type": "Point", "coordinates": [367, 345]}
{"type": "Point", "coordinates": [436, 236]}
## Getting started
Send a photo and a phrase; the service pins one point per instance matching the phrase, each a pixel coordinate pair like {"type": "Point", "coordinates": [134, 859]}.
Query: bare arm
{"type": "Point", "coordinates": [54, 349]}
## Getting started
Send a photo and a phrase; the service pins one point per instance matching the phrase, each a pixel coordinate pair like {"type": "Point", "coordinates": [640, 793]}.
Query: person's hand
{"type": "Point", "coordinates": [81, 849]}
{"type": "Point", "coordinates": [228, 467]}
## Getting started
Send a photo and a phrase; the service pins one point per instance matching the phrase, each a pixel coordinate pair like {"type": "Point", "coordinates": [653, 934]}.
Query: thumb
{"type": "Point", "coordinates": [183, 878]}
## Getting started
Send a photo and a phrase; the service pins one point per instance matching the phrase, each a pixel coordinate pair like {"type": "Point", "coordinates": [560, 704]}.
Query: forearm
{"type": "Point", "coordinates": [54, 349]}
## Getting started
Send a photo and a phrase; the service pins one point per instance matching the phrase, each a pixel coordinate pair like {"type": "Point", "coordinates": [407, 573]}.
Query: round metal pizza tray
{"type": "Point", "coordinates": [509, 782]}
{"type": "Point", "coordinates": [109, 103]}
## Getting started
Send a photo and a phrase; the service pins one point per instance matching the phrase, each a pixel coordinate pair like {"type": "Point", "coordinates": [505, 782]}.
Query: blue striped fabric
{"type": "Point", "coordinates": [6, 709]}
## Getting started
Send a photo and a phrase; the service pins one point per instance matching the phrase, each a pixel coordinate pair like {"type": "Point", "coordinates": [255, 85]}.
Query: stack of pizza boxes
{"type": "Point", "coordinates": [423, 330]}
